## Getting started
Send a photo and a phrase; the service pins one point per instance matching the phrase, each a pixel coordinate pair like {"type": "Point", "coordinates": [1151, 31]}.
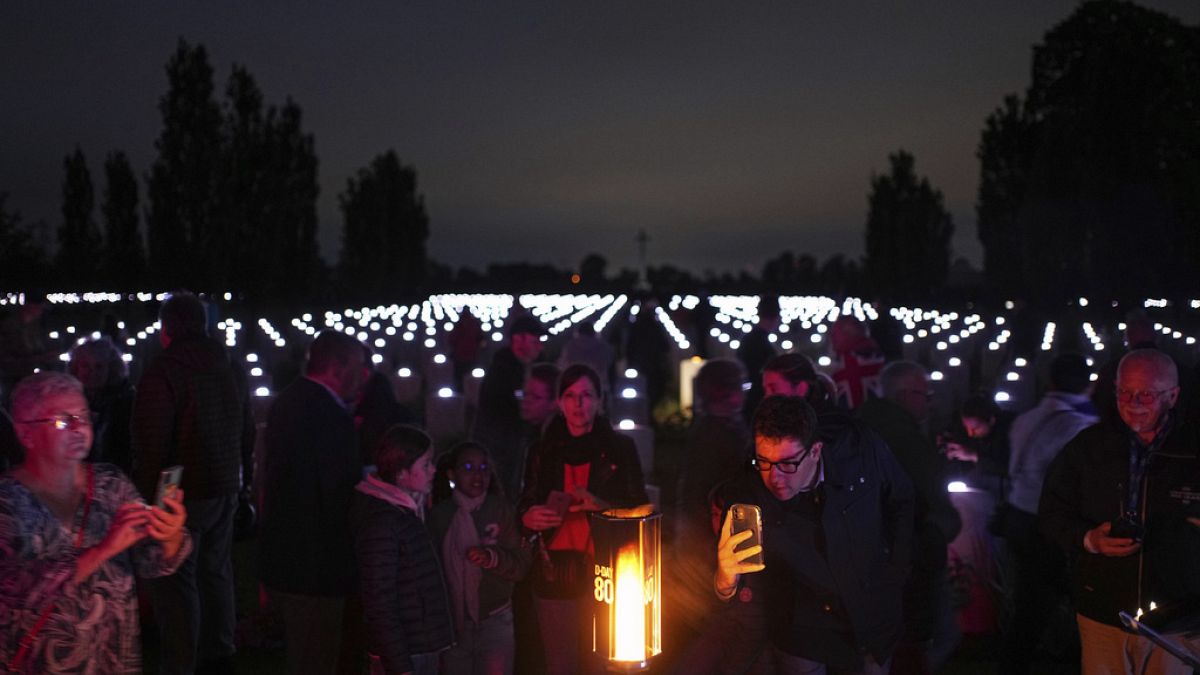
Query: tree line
{"type": "Point", "coordinates": [230, 204]}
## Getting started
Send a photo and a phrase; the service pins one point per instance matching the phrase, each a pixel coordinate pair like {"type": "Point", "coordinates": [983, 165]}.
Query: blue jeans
{"type": "Point", "coordinates": [484, 648]}
{"type": "Point", "coordinates": [195, 607]}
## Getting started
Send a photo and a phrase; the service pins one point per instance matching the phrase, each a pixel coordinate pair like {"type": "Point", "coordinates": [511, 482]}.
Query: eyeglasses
{"type": "Point", "coordinates": [62, 422]}
{"type": "Point", "coordinates": [1143, 397]}
{"type": "Point", "coordinates": [475, 467]}
{"type": "Point", "coordinates": [789, 466]}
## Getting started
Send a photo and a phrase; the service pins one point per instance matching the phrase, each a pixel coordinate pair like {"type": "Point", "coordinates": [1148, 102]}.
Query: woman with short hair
{"type": "Point", "coordinates": [72, 536]}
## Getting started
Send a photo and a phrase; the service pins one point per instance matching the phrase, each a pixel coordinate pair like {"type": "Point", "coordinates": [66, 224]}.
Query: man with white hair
{"type": "Point", "coordinates": [1123, 499]}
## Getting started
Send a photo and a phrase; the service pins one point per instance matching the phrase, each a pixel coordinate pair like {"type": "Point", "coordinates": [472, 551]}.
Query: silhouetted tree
{"type": "Point", "coordinates": [183, 182]}
{"type": "Point", "coordinates": [292, 190]}
{"type": "Point", "coordinates": [667, 279]}
{"type": "Point", "coordinates": [1089, 186]}
{"type": "Point", "coordinates": [22, 260]}
{"type": "Point", "coordinates": [241, 225]}
{"type": "Point", "coordinates": [78, 259]}
{"type": "Point", "coordinates": [908, 232]}
{"type": "Point", "coordinates": [384, 231]}
{"type": "Point", "coordinates": [841, 277]}
{"type": "Point", "coordinates": [123, 262]}
{"type": "Point", "coordinates": [787, 271]}
{"type": "Point", "coordinates": [592, 269]}
{"type": "Point", "coordinates": [1005, 154]}
{"type": "Point", "coordinates": [267, 195]}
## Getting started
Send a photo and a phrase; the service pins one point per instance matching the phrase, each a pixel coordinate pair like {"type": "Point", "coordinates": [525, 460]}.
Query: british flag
{"type": "Point", "coordinates": [856, 375]}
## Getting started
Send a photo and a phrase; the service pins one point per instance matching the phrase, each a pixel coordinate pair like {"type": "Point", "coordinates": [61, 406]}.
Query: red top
{"type": "Point", "coordinates": [574, 534]}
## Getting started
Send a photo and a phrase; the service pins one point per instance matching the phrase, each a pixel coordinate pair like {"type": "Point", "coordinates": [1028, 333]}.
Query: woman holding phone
{"type": "Point", "coordinates": [582, 456]}
{"type": "Point", "coordinates": [72, 536]}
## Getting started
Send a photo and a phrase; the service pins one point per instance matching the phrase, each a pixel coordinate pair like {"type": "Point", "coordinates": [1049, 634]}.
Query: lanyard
{"type": "Point", "coordinates": [1139, 459]}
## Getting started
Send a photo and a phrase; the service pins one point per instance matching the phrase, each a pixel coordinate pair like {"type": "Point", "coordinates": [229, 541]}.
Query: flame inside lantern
{"type": "Point", "coordinates": [629, 612]}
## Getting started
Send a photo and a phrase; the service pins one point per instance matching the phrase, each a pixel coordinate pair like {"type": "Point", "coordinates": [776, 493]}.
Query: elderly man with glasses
{"type": "Point", "coordinates": [837, 516]}
{"type": "Point", "coordinates": [1123, 500]}
{"type": "Point", "coordinates": [930, 632]}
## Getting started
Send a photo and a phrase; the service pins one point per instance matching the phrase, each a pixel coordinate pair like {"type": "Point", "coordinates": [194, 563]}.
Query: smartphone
{"type": "Point", "coordinates": [1127, 527]}
{"type": "Point", "coordinates": [559, 501]}
{"type": "Point", "coordinates": [747, 517]}
{"type": "Point", "coordinates": [168, 484]}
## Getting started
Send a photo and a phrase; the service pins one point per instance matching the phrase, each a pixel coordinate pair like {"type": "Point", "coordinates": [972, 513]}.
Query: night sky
{"type": "Point", "coordinates": [545, 131]}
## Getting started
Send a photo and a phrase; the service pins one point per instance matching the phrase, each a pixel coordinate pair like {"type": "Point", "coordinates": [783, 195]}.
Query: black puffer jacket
{"type": "Point", "coordinates": [404, 595]}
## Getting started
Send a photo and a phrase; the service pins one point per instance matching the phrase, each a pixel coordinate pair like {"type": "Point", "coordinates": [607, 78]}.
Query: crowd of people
{"type": "Point", "coordinates": [382, 552]}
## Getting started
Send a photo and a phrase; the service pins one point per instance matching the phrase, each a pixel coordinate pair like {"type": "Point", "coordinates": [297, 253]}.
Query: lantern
{"type": "Point", "coordinates": [627, 595]}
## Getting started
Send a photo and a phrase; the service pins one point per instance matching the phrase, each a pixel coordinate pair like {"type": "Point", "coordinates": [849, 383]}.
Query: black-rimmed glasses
{"type": "Point", "coordinates": [787, 466]}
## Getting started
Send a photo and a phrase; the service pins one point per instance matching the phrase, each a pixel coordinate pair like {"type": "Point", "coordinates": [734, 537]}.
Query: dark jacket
{"type": "Point", "coordinates": [937, 522]}
{"type": "Point", "coordinates": [717, 449]}
{"type": "Point", "coordinates": [189, 411]}
{"type": "Point", "coordinates": [376, 412]}
{"type": "Point", "coordinates": [496, 523]}
{"type": "Point", "coordinates": [112, 412]}
{"type": "Point", "coordinates": [498, 424]}
{"type": "Point", "coordinates": [11, 452]}
{"type": "Point", "coordinates": [1085, 486]}
{"type": "Point", "coordinates": [615, 476]}
{"type": "Point", "coordinates": [405, 607]}
{"type": "Point", "coordinates": [835, 573]}
{"type": "Point", "coordinates": [310, 470]}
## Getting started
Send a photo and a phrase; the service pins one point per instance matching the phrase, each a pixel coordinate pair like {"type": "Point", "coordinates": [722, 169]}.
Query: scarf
{"type": "Point", "coordinates": [373, 486]}
{"type": "Point", "coordinates": [463, 576]}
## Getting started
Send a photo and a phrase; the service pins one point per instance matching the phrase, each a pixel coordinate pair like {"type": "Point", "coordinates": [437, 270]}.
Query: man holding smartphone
{"type": "Point", "coordinates": [1122, 500]}
{"type": "Point", "coordinates": [191, 410]}
{"type": "Point", "coordinates": [837, 514]}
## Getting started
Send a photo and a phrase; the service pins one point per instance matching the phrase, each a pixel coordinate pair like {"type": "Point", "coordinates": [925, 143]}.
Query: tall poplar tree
{"type": "Point", "coordinates": [78, 259]}
{"type": "Point", "coordinates": [124, 262]}
{"type": "Point", "coordinates": [908, 232]}
{"type": "Point", "coordinates": [183, 181]}
{"type": "Point", "coordinates": [293, 190]}
{"type": "Point", "coordinates": [243, 204]}
{"type": "Point", "coordinates": [385, 228]}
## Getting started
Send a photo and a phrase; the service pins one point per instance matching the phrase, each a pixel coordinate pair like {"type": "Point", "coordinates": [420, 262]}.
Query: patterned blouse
{"type": "Point", "coordinates": [93, 628]}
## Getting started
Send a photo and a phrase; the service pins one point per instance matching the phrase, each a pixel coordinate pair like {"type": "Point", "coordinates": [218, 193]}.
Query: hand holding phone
{"type": "Point", "coordinates": [732, 557]}
{"type": "Point", "coordinates": [747, 518]}
{"type": "Point", "coordinates": [168, 484]}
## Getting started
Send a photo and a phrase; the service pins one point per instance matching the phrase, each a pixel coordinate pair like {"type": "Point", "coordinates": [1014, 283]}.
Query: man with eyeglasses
{"type": "Point", "coordinates": [930, 632]}
{"type": "Point", "coordinates": [1123, 500]}
{"type": "Point", "coordinates": [836, 530]}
